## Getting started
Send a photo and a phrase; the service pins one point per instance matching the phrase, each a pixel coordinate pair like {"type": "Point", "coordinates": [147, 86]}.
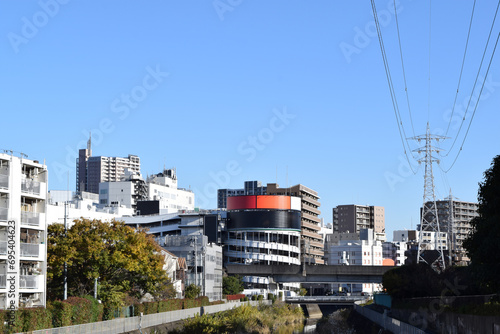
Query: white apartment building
{"type": "Point", "coordinates": [82, 207]}
{"type": "Point", "coordinates": [192, 236]}
{"type": "Point", "coordinates": [161, 187]}
{"type": "Point", "coordinates": [395, 251]}
{"type": "Point", "coordinates": [366, 251]}
{"type": "Point", "coordinates": [23, 232]}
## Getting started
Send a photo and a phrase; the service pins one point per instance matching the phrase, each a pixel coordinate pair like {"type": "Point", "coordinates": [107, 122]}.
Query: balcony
{"type": "Point", "coordinates": [3, 214]}
{"type": "Point", "coordinates": [30, 250]}
{"type": "Point", "coordinates": [3, 247]}
{"type": "Point", "coordinates": [30, 218]}
{"type": "Point", "coordinates": [4, 181]}
{"type": "Point", "coordinates": [30, 187]}
{"type": "Point", "coordinates": [29, 281]}
{"type": "Point", "coordinates": [25, 281]}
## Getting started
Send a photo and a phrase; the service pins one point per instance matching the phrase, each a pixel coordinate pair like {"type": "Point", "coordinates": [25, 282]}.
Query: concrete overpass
{"type": "Point", "coordinates": [312, 273]}
{"type": "Point", "coordinates": [329, 300]}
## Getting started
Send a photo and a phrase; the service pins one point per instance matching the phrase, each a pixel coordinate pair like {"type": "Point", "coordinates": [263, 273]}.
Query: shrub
{"type": "Point", "coordinates": [81, 310]}
{"type": "Point", "coordinates": [260, 297]}
{"type": "Point", "coordinates": [150, 307]}
{"type": "Point", "coordinates": [188, 303]}
{"type": "Point", "coordinates": [192, 291]}
{"type": "Point", "coordinates": [138, 309]}
{"type": "Point", "coordinates": [35, 318]}
{"type": "Point", "coordinates": [61, 313]}
{"type": "Point", "coordinates": [96, 309]}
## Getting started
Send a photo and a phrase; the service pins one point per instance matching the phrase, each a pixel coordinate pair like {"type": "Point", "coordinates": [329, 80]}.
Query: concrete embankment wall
{"type": "Point", "coordinates": [124, 325]}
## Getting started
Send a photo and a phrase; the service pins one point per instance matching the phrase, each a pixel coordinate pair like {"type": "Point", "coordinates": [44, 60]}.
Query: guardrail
{"type": "Point", "coordinates": [123, 325]}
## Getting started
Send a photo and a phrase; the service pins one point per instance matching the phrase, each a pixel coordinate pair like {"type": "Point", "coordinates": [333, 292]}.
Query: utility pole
{"type": "Point", "coordinates": [65, 264]}
{"type": "Point", "coordinates": [429, 221]}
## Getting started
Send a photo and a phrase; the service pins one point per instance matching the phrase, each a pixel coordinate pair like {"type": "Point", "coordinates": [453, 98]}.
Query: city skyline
{"type": "Point", "coordinates": [276, 92]}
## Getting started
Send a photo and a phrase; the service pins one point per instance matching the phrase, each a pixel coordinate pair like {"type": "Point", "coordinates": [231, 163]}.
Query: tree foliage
{"type": "Point", "coordinates": [409, 281]}
{"type": "Point", "coordinates": [482, 245]}
{"type": "Point", "coordinates": [125, 261]}
{"type": "Point", "coordinates": [232, 285]}
{"type": "Point", "coordinates": [192, 291]}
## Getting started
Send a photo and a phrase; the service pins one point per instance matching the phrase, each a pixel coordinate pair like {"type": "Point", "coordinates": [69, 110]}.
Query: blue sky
{"type": "Point", "coordinates": [228, 91]}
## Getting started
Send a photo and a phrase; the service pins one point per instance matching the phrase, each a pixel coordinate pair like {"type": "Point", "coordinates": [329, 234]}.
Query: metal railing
{"type": "Point", "coordinates": [28, 282]}
{"type": "Point", "coordinates": [30, 218]}
{"type": "Point", "coordinates": [4, 213]}
{"type": "Point", "coordinates": [4, 181]}
{"type": "Point", "coordinates": [30, 187]}
{"type": "Point", "coordinates": [30, 250]}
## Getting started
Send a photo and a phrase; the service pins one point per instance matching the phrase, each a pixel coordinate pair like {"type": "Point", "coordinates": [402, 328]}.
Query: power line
{"type": "Point", "coordinates": [475, 82]}
{"type": "Point", "coordinates": [461, 70]}
{"type": "Point", "coordinates": [475, 108]}
{"type": "Point", "coordinates": [429, 81]}
{"type": "Point", "coordinates": [403, 66]}
{"type": "Point", "coordinates": [402, 133]}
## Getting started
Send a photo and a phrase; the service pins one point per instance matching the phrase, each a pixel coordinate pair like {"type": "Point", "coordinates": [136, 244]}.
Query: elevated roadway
{"type": "Point", "coordinates": [312, 273]}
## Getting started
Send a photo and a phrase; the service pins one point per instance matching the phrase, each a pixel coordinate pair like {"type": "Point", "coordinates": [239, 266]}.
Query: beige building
{"type": "Point", "coordinates": [353, 218]}
{"type": "Point", "coordinates": [91, 170]}
{"type": "Point", "coordinates": [312, 248]}
{"type": "Point", "coordinates": [454, 219]}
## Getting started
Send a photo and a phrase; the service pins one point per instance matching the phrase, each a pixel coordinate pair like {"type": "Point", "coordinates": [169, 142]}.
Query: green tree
{"type": "Point", "coordinates": [408, 281]}
{"type": "Point", "coordinates": [125, 261]}
{"type": "Point", "coordinates": [482, 244]}
{"type": "Point", "coordinates": [192, 291]}
{"type": "Point", "coordinates": [232, 285]}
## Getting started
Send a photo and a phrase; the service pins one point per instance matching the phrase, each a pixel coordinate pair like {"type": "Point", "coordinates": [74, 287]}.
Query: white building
{"type": "Point", "coordinates": [82, 206]}
{"type": "Point", "coordinates": [193, 236]}
{"type": "Point", "coordinates": [346, 250]}
{"type": "Point", "coordinates": [161, 187]}
{"type": "Point", "coordinates": [23, 232]}
{"type": "Point", "coordinates": [395, 251]}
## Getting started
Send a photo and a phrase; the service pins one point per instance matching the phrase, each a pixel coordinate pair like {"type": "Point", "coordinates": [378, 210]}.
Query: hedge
{"type": "Point", "coordinates": [77, 310]}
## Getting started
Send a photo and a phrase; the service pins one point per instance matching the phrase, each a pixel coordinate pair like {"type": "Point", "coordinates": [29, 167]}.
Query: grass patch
{"type": "Point", "coordinates": [276, 318]}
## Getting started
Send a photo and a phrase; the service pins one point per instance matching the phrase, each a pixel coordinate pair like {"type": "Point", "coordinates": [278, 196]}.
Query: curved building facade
{"type": "Point", "coordinates": [263, 229]}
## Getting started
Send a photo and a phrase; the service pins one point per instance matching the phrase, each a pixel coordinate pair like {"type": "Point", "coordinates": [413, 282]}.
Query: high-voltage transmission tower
{"type": "Point", "coordinates": [429, 233]}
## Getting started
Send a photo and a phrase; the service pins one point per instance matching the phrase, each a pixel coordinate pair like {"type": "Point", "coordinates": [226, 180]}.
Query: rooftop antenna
{"type": "Point", "coordinates": [286, 191]}
{"type": "Point", "coordinates": [89, 144]}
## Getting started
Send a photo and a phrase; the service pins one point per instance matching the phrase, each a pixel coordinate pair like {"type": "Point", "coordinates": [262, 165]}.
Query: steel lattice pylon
{"type": "Point", "coordinates": [429, 221]}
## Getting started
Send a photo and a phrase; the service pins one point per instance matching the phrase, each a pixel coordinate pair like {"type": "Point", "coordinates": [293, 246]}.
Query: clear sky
{"type": "Point", "coordinates": [233, 90]}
